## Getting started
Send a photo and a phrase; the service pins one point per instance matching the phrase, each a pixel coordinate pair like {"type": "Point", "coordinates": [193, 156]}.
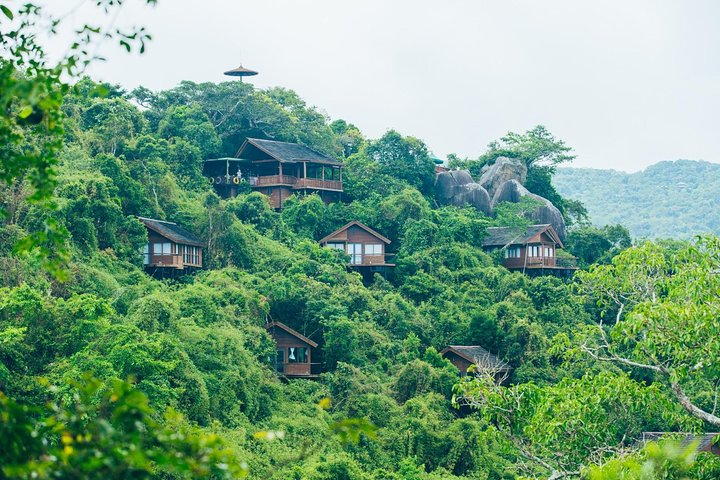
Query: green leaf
{"type": "Point", "coordinates": [25, 112]}
{"type": "Point", "coordinates": [8, 13]}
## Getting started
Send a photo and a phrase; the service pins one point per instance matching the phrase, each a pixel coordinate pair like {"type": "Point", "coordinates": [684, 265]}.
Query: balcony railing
{"type": "Point", "coordinates": [318, 183]}
{"type": "Point", "coordinates": [268, 180]}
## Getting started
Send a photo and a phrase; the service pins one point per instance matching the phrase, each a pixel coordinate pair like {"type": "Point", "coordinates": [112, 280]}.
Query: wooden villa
{"type": "Point", "coordinates": [365, 246]}
{"type": "Point", "coordinates": [276, 169]}
{"type": "Point", "coordinates": [294, 352]}
{"type": "Point", "coordinates": [171, 250]}
{"type": "Point", "coordinates": [532, 250]}
{"type": "Point", "coordinates": [463, 356]}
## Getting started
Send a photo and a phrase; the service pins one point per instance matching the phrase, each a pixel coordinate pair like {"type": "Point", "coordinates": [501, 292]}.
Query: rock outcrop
{"type": "Point", "coordinates": [514, 191]}
{"type": "Point", "coordinates": [457, 187]}
{"type": "Point", "coordinates": [500, 182]}
{"type": "Point", "coordinates": [504, 169]}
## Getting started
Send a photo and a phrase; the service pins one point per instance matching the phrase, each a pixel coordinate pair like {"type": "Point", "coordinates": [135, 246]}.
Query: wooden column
{"type": "Point", "coordinates": [304, 169]}
{"type": "Point", "coordinates": [323, 173]}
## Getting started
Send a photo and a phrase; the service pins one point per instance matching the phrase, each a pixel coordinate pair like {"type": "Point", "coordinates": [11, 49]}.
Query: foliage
{"type": "Point", "coordinates": [672, 199]}
{"type": "Point", "coordinates": [108, 433]}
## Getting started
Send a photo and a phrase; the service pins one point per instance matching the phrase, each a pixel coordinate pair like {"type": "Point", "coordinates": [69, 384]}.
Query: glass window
{"type": "Point", "coordinates": [157, 248]}
{"type": "Point", "coordinates": [335, 246]}
{"type": "Point", "coordinates": [166, 248]}
{"type": "Point", "coordinates": [373, 249]}
{"type": "Point", "coordinates": [297, 355]}
{"type": "Point", "coordinates": [146, 254]}
{"type": "Point", "coordinates": [355, 252]}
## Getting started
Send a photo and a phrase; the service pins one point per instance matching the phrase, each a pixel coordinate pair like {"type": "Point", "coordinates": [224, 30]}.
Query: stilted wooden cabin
{"type": "Point", "coordinates": [463, 356]}
{"type": "Point", "coordinates": [171, 250]}
{"type": "Point", "coordinates": [365, 246]}
{"type": "Point", "coordinates": [277, 169]}
{"type": "Point", "coordinates": [532, 250]}
{"type": "Point", "coordinates": [294, 352]}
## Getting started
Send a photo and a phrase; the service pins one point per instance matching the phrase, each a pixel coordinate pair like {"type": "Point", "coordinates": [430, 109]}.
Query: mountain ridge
{"type": "Point", "coordinates": [672, 198]}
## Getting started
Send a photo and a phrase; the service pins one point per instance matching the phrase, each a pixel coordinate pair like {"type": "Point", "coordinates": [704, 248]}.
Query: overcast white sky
{"type": "Point", "coordinates": [626, 83]}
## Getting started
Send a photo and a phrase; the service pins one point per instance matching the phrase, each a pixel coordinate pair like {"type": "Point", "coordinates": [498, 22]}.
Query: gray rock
{"type": "Point", "coordinates": [513, 191]}
{"type": "Point", "coordinates": [504, 169]}
{"type": "Point", "coordinates": [457, 187]}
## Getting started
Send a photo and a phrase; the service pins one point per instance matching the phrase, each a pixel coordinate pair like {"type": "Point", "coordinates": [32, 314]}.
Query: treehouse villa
{"type": "Point", "coordinates": [532, 250]}
{"type": "Point", "coordinates": [276, 169]}
{"type": "Point", "coordinates": [171, 250]}
{"type": "Point", "coordinates": [364, 246]}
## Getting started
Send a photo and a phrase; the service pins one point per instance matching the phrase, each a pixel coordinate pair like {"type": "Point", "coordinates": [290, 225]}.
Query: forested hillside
{"type": "Point", "coordinates": [107, 371]}
{"type": "Point", "coordinates": [677, 199]}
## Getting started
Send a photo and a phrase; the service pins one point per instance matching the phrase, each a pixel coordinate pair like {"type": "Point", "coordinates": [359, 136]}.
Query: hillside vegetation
{"type": "Point", "coordinates": [677, 199]}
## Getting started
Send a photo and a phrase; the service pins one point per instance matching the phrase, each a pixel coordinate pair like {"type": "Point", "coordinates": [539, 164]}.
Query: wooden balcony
{"type": "Point", "coordinates": [272, 180]}
{"type": "Point", "coordinates": [298, 369]}
{"type": "Point", "coordinates": [170, 261]}
{"type": "Point", "coordinates": [372, 260]}
{"type": "Point", "coordinates": [318, 183]}
{"type": "Point", "coordinates": [540, 262]}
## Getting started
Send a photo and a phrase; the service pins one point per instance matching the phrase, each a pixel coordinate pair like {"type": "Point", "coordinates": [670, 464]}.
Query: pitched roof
{"type": "Point", "coordinates": [284, 151]}
{"type": "Point", "coordinates": [477, 355]}
{"type": "Point", "coordinates": [292, 332]}
{"type": "Point", "coordinates": [357, 224]}
{"type": "Point", "coordinates": [505, 236]}
{"type": "Point", "coordinates": [172, 231]}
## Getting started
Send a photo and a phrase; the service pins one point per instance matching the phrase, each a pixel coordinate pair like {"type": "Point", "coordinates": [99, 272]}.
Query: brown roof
{"type": "Point", "coordinates": [172, 231]}
{"type": "Point", "coordinates": [241, 72]}
{"type": "Point", "coordinates": [283, 151]}
{"type": "Point", "coordinates": [477, 355]}
{"type": "Point", "coordinates": [292, 332]}
{"type": "Point", "coordinates": [506, 236]}
{"type": "Point", "coordinates": [357, 224]}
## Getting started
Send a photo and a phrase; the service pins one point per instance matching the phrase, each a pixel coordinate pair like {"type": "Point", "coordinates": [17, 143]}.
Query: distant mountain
{"type": "Point", "coordinates": [673, 199]}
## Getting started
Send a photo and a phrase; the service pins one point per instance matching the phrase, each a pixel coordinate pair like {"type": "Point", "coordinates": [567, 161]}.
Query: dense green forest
{"type": "Point", "coordinates": [666, 200]}
{"type": "Point", "coordinates": [106, 372]}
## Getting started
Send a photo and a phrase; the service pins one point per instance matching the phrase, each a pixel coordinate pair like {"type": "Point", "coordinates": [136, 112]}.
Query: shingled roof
{"type": "Point", "coordinates": [506, 236]}
{"type": "Point", "coordinates": [292, 332]}
{"type": "Point", "coordinates": [357, 224]}
{"type": "Point", "coordinates": [477, 355]}
{"type": "Point", "coordinates": [283, 151]}
{"type": "Point", "coordinates": [172, 231]}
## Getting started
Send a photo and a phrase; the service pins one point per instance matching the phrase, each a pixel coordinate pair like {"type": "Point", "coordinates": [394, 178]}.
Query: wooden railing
{"type": "Point", "coordinates": [298, 369]}
{"type": "Point", "coordinates": [318, 183]}
{"type": "Point", "coordinates": [166, 261]}
{"type": "Point", "coordinates": [267, 180]}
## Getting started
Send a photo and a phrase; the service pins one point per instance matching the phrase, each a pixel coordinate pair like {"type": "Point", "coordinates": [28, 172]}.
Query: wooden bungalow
{"type": "Point", "coordinates": [365, 246]}
{"type": "Point", "coordinates": [171, 250]}
{"type": "Point", "coordinates": [532, 250]}
{"type": "Point", "coordinates": [294, 352]}
{"type": "Point", "coordinates": [463, 356]}
{"type": "Point", "coordinates": [277, 169]}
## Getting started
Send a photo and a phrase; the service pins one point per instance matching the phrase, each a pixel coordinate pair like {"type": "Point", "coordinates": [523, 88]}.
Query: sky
{"type": "Point", "coordinates": [625, 83]}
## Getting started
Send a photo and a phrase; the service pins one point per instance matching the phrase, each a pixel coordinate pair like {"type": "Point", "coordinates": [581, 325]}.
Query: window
{"type": "Point", "coordinates": [512, 252]}
{"type": "Point", "coordinates": [355, 252]}
{"type": "Point", "coordinates": [533, 251]}
{"type": "Point", "coordinates": [146, 254]}
{"type": "Point", "coordinates": [297, 355]}
{"type": "Point", "coordinates": [374, 249]}
{"type": "Point", "coordinates": [335, 246]}
{"type": "Point", "coordinates": [166, 248]}
{"type": "Point", "coordinates": [157, 248]}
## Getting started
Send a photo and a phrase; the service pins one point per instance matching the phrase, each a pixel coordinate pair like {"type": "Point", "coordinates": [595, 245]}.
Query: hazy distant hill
{"type": "Point", "coordinates": [669, 199]}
